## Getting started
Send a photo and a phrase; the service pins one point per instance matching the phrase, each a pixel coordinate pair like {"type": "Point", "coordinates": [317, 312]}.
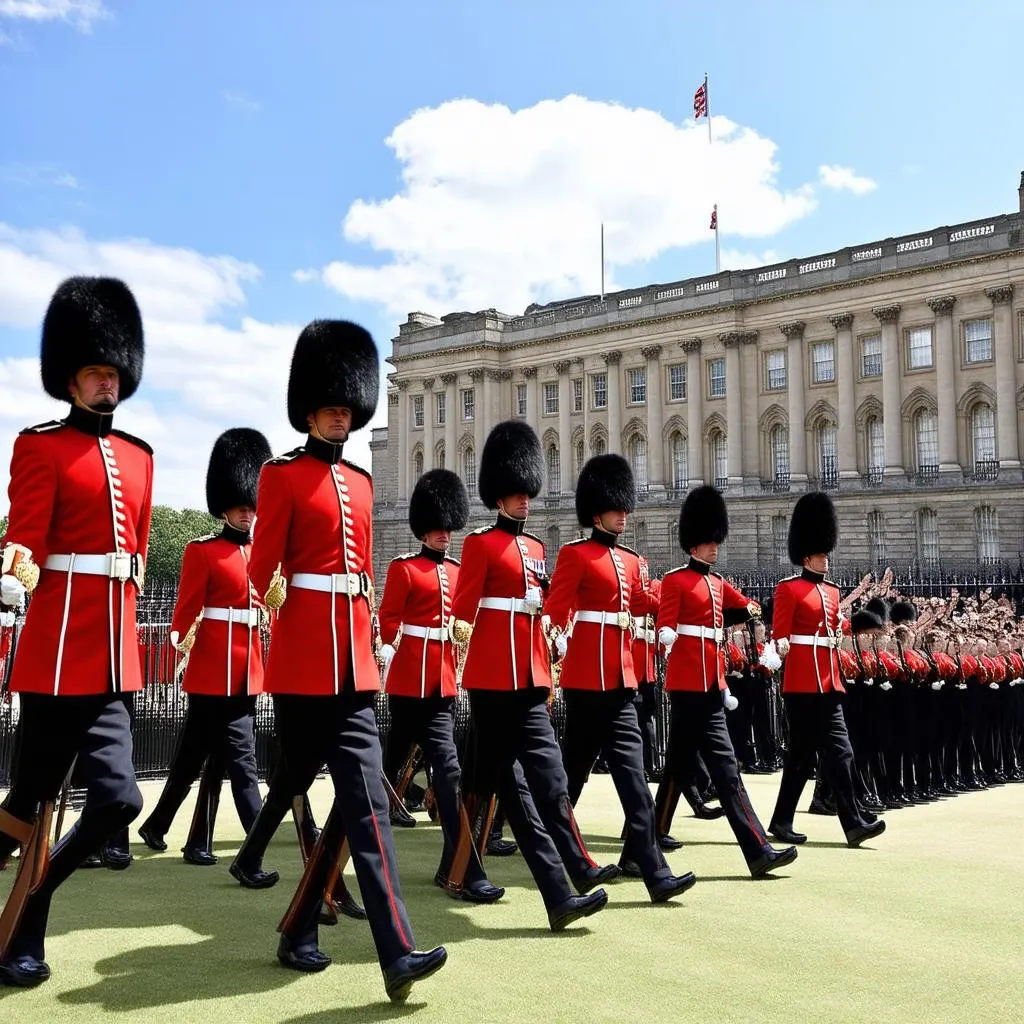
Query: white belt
{"type": "Point", "coordinates": [640, 630]}
{"type": "Point", "coordinates": [425, 632]}
{"type": "Point", "coordinates": [243, 616]}
{"type": "Point", "coordinates": [348, 584]}
{"type": "Point", "coordinates": [815, 640]}
{"type": "Point", "coordinates": [619, 620]}
{"type": "Point", "coordinates": [704, 632]}
{"type": "Point", "coordinates": [509, 604]}
{"type": "Point", "coordinates": [116, 566]}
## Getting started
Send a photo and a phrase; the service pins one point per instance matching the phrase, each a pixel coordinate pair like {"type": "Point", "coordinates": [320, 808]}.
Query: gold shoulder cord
{"type": "Point", "coordinates": [277, 592]}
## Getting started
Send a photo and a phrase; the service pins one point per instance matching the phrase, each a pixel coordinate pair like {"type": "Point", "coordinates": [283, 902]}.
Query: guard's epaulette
{"type": "Point", "coordinates": [622, 547]}
{"type": "Point", "coordinates": [454, 561]}
{"type": "Point", "coordinates": [578, 540]}
{"type": "Point", "coordinates": [795, 576]}
{"type": "Point", "coordinates": [405, 557]}
{"type": "Point", "coordinates": [43, 428]}
{"type": "Point", "coordinates": [132, 439]}
{"type": "Point", "coordinates": [481, 529]}
{"type": "Point", "coordinates": [205, 537]}
{"type": "Point", "coordinates": [357, 468]}
{"type": "Point", "coordinates": [532, 536]}
{"type": "Point", "coordinates": [678, 568]}
{"type": "Point", "coordinates": [280, 460]}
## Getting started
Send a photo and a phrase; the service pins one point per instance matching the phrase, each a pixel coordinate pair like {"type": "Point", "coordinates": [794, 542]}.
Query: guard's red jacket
{"type": "Point", "coordinates": [597, 576]}
{"type": "Point", "coordinates": [418, 596]}
{"type": "Point", "coordinates": [315, 523]}
{"type": "Point", "coordinates": [507, 650]}
{"type": "Point", "coordinates": [806, 606]}
{"type": "Point", "coordinates": [78, 488]}
{"type": "Point", "coordinates": [227, 657]}
{"type": "Point", "coordinates": [645, 639]}
{"type": "Point", "coordinates": [694, 596]}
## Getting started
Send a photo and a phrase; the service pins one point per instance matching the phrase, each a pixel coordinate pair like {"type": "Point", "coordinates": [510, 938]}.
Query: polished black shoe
{"type": "Point", "coordinates": [201, 858]}
{"type": "Point", "coordinates": [482, 892]}
{"type": "Point", "coordinates": [115, 860]}
{"type": "Point", "coordinates": [821, 807]}
{"type": "Point", "coordinates": [94, 860]}
{"type": "Point", "coordinates": [576, 907]}
{"type": "Point", "coordinates": [785, 834]}
{"type": "Point", "coordinates": [500, 847]}
{"type": "Point", "coordinates": [770, 860]}
{"type": "Point", "coordinates": [595, 877]}
{"type": "Point", "coordinates": [629, 868]}
{"type": "Point", "coordinates": [306, 958]}
{"type": "Point", "coordinates": [413, 967]}
{"type": "Point", "coordinates": [152, 840]}
{"type": "Point", "coordinates": [253, 879]}
{"type": "Point", "coordinates": [674, 885]}
{"type": "Point", "coordinates": [667, 842]}
{"type": "Point", "coordinates": [348, 906]}
{"type": "Point", "coordinates": [24, 971]}
{"type": "Point", "coordinates": [401, 818]}
{"type": "Point", "coordinates": [862, 833]}
{"type": "Point", "coordinates": [706, 813]}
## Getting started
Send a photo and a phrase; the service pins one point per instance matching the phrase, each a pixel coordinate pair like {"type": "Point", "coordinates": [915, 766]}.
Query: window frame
{"type": "Point", "coordinates": [769, 370]}
{"type": "Point", "coordinates": [864, 338]}
{"type": "Point", "coordinates": [966, 359]}
{"type": "Point", "coordinates": [908, 333]}
{"type": "Point", "coordinates": [815, 347]}
{"type": "Point", "coordinates": [712, 377]}
{"type": "Point", "coordinates": [683, 383]}
{"type": "Point", "coordinates": [596, 378]}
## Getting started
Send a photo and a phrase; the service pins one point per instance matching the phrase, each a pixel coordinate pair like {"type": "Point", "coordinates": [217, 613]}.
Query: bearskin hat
{"type": "Point", "coordinates": [335, 363]}
{"type": "Point", "coordinates": [703, 518]}
{"type": "Point", "coordinates": [605, 485]}
{"type": "Point", "coordinates": [902, 612]}
{"type": "Point", "coordinates": [439, 502]}
{"type": "Point", "coordinates": [91, 321]}
{"type": "Point", "coordinates": [233, 473]}
{"type": "Point", "coordinates": [511, 463]}
{"type": "Point", "coordinates": [813, 530]}
{"type": "Point", "coordinates": [878, 607]}
{"type": "Point", "coordinates": [862, 620]}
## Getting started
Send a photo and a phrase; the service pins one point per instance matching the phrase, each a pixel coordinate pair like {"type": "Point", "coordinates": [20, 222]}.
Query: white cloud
{"type": "Point", "coordinates": [203, 372]}
{"type": "Point", "coordinates": [503, 208]}
{"type": "Point", "coordinates": [304, 276]}
{"type": "Point", "coordinates": [735, 259]}
{"type": "Point", "coordinates": [83, 14]}
{"type": "Point", "coordinates": [38, 176]}
{"type": "Point", "coordinates": [845, 179]}
{"type": "Point", "coordinates": [240, 101]}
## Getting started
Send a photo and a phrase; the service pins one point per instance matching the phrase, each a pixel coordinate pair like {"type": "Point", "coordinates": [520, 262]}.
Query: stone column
{"type": "Point", "coordinates": [694, 411]}
{"type": "Point", "coordinates": [532, 398]}
{"type": "Point", "coordinates": [564, 426]}
{"type": "Point", "coordinates": [847, 412]}
{"type": "Point", "coordinates": [945, 350]}
{"type": "Point", "coordinates": [655, 419]}
{"type": "Point", "coordinates": [428, 423]}
{"type": "Point", "coordinates": [1006, 376]}
{"type": "Point", "coordinates": [733, 406]}
{"type": "Point", "coordinates": [479, 436]}
{"type": "Point", "coordinates": [748, 379]}
{"type": "Point", "coordinates": [403, 440]}
{"type": "Point", "coordinates": [484, 413]}
{"type": "Point", "coordinates": [612, 360]}
{"type": "Point", "coordinates": [451, 391]}
{"type": "Point", "coordinates": [794, 333]}
{"type": "Point", "coordinates": [888, 317]}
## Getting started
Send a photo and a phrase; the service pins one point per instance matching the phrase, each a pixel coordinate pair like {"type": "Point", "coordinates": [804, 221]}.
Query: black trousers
{"type": "Point", "coordinates": [699, 730]}
{"type": "Point", "coordinates": [213, 725]}
{"type": "Point", "coordinates": [53, 731]}
{"type": "Point", "coordinates": [605, 723]}
{"type": "Point", "coordinates": [516, 727]}
{"type": "Point", "coordinates": [341, 731]}
{"type": "Point", "coordinates": [817, 727]}
{"type": "Point", "coordinates": [646, 710]}
{"type": "Point", "coordinates": [430, 723]}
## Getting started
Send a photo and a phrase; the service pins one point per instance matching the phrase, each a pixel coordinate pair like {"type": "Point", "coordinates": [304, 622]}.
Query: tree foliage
{"type": "Point", "coordinates": [171, 530]}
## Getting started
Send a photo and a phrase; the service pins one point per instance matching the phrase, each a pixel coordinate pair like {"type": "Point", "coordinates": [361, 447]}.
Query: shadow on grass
{"type": "Point", "coordinates": [371, 1011]}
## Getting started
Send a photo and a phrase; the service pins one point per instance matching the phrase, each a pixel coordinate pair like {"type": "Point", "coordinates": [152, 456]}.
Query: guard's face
{"type": "Point", "coordinates": [437, 540]}
{"type": "Point", "coordinates": [515, 506]}
{"type": "Point", "coordinates": [706, 552]}
{"type": "Point", "coordinates": [612, 522]}
{"type": "Point", "coordinates": [816, 563]}
{"type": "Point", "coordinates": [96, 387]}
{"type": "Point", "coordinates": [332, 423]}
{"type": "Point", "coordinates": [241, 517]}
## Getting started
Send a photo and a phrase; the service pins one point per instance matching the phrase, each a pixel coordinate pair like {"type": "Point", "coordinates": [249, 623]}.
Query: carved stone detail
{"type": "Point", "coordinates": [731, 339]}
{"type": "Point", "coordinates": [614, 356]}
{"type": "Point", "coordinates": [476, 374]}
{"type": "Point", "coordinates": [402, 385]}
{"type": "Point", "coordinates": [887, 314]}
{"type": "Point", "coordinates": [942, 303]}
{"type": "Point", "coordinates": [841, 321]}
{"type": "Point", "coordinates": [651, 352]}
{"type": "Point", "coordinates": [428, 383]}
{"type": "Point", "coordinates": [449, 378]}
{"type": "Point", "coordinates": [1004, 293]}
{"type": "Point", "coordinates": [562, 366]}
{"type": "Point", "coordinates": [529, 371]}
{"type": "Point", "coordinates": [794, 329]}
{"type": "Point", "coordinates": [690, 345]}
{"type": "Point", "coordinates": [749, 337]}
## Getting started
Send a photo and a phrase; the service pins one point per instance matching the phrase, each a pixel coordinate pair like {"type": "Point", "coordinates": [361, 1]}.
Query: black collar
{"type": "Point", "coordinates": [229, 533]}
{"type": "Point", "coordinates": [814, 577]}
{"type": "Point", "coordinates": [95, 424]}
{"type": "Point", "coordinates": [325, 451]}
{"type": "Point", "coordinates": [434, 556]}
{"type": "Point", "coordinates": [517, 527]}
{"type": "Point", "coordinates": [609, 540]}
{"type": "Point", "coordinates": [698, 566]}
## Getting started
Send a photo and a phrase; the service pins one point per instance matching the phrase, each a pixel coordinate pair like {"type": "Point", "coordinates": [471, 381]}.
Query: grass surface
{"type": "Point", "coordinates": [925, 924]}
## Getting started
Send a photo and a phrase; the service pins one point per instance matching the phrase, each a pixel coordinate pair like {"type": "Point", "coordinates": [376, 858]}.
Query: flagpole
{"type": "Point", "coordinates": [602, 261]}
{"type": "Point", "coordinates": [707, 104]}
{"type": "Point", "coordinates": [718, 251]}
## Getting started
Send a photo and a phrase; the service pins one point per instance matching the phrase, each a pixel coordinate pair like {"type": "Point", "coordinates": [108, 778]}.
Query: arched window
{"type": "Point", "coordinates": [440, 457]}
{"type": "Point", "coordinates": [720, 459]}
{"type": "Point", "coordinates": [876, 537]}
{"type": "Point", "coordinates": [875, 449]}
{"type": "Point", "coordinates": [926, 442]}
{"type": "Point", "coordinates": [928, 537]}
{"type": "Point", "coordinates": [983, 441]}
{"type": "Point", "coordinates": [986, 520]}
{"type": "Point", "coordinates": [469, 469]}
{"type": "Point", "coordinates": [580, 456]}
{"type": "Point", "coordinates": [417, 465]}
{"type": "Point", "coordinates": [780, 540]}
{"type": "Point", "coordinates": [598, 446]}
{"type": "Point", "coordinates": [779, 439]}
{"type": "Point", "coordinates": [554, 543]}
{"type": "Point", "coordinates": [638, 460]}
{"type": "Point", "coordinates": [680, 461]}
{"type": "Point", "coordinates": [554, 471]}
{"type": "Point", "coordinates": [639, 538]}
{"type": "Point", "coordinates": [828, 455]}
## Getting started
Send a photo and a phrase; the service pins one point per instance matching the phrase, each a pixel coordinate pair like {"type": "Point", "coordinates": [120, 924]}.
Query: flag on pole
{"type": "Point", "coordinates": [713, 226]}
{"type": "Point", "coordinates": [700, 101]}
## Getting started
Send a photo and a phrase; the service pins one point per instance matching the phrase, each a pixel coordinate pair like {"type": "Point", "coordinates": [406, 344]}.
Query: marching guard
{"type": "Point", "coordinates": [81, 495]}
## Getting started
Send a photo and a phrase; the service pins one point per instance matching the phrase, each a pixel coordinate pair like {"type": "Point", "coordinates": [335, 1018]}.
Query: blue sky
{"type": "Point", "coordinates": [211, 151]}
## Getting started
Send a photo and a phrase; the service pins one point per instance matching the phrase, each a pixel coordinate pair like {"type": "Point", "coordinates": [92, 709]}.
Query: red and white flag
{"type": "Point", "coordinates": [700, 101]}
{"type": "Point", "coordinates": [714, 218]}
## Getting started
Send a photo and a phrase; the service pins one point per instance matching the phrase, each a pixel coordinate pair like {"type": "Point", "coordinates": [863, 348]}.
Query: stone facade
{"type": "Point", "coordinates": [890, 373]}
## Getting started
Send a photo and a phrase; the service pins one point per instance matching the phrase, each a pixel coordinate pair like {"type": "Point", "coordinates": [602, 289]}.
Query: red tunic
{"type": "Point", "coordinates": [805, 607]}
{"type": "Point", "coordinates": [690, 598]}
{"type": "Point", "coordinates": [591, 577]}
{"type": "Point", "coordinates": [418, 594]}
{"type": "Point", "coordinates": [645, 639]}
{"type": "Point", "coordinates": [77, 494]}
{"type": "Point", "coordinates": [507, 650]}
{"type": "Point", "coordinates": [315, 522]}
{"type": "Point", "coordinates": [227, 657]}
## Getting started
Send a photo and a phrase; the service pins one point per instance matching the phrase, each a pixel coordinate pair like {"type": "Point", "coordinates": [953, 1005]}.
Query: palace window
{"type": "Point", "coordinates": [677, 383]}
{"type": "Point", "coordinates": [775, 370]}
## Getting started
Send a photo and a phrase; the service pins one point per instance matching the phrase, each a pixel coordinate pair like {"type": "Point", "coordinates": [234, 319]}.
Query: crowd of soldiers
{"type": "Point", "coordinates": [930, 711]}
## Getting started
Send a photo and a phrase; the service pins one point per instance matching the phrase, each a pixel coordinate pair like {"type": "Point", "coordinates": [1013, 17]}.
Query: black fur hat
{"type": "Point", "coordinates": [91, 321]}
{"type": "Point", "coordinates": [335, 363]}
{"type": "Point", "coordinates": [233, 475]}
{"type": "Point", "coordinates": [862, 620]}
{"type": "Point", "coordinates": [703, 518]}
{"type": "Point", "coordinates": [814, 529]}
{"type": "Point", "coordinates": [511, 463]}
{"type": "Point", "coordinates": [439, 502]}
{"type": "Point", "coordinates": [878, 607]}
{"type": "Point", "coordinates": [605, 485]}
{"type": "Point", "coordinates": [902, 612]}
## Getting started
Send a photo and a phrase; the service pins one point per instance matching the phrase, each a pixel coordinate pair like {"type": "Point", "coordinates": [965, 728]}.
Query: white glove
{"type": "Point", "coordinates": [869, 682]}
{"type": "Point", "coordinates": [961, 686]}
{"type": "Point", "coordinates": [667, 637]}
{"type": "Point", "coordinates": [6, 619]}
{"type": "Point", "coordinates": [770, 657]}
{"type": "Point", "coordinates": [561, 644]}
{"type": "Point", "coordinates": [782, 646]}
{"type": "Point", "coordinates": [731, 703]}
{"type": "Point", "coordinates": [887, 686]}
{"type": "Point", "coordinates": [533, 599]}
{"type": "Point", "coordinates": [993, 686]}
{"type": "Point", "coordinates": [387, 652]}
{"type": "Point", "coordinates": [545, 623]}
{"type": "Point", "coordinates": [937, 685]}
{"type": "Point", "coordinates": [12, 591]}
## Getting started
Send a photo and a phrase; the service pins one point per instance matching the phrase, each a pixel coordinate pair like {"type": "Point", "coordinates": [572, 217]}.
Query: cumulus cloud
{"type": "Point", "coordinates": [735, 259]}
{"type": "Point", "coordinates": [209, 366]}
{"type": "Point", "coordinates": [503, 207]}
{"type": "Point", "coordinates": [83, 14]}
{"type": "Point", "coordinates": [845, 179]}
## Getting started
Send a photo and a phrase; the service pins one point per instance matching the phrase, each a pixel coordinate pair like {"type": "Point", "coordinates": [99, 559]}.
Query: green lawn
{"type": "Point", "coordinates": [925, 925]}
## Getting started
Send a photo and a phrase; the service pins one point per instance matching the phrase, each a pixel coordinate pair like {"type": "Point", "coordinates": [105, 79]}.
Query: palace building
{"type": "Point", "coordinates": [890, 373]}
